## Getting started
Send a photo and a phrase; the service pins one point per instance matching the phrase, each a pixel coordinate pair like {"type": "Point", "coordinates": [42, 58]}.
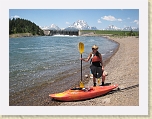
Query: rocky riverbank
{"type": "Point", "coordinates": [123, 69]}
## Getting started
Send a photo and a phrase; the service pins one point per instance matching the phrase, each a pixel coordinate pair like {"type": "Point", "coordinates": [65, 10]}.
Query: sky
{"type": "Point", "coordinates": [99, 18]}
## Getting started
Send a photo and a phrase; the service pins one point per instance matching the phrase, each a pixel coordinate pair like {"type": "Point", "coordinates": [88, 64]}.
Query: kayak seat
{"type": "Point", "coordinates": [83, 89]}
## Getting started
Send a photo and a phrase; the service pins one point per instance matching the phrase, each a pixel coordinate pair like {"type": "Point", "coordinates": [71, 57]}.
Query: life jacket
{"type": "Point", "coordinates": [95, 58]}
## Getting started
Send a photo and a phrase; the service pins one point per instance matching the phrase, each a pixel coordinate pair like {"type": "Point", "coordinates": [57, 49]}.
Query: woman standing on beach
{"type": "Point", "coordinates": [96, 64]}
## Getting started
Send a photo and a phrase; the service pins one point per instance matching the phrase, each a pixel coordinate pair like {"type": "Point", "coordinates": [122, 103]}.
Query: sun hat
{"type": "Point", "coordinates": [95, 47]}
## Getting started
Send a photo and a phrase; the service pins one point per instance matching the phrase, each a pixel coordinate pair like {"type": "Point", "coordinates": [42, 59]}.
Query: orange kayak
{"type": "Point", "coordinates": [76, 94]}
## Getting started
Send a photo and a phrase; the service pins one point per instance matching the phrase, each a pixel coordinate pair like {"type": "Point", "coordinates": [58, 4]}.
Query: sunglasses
{"type": "Point", "coordinates": [94, 49]}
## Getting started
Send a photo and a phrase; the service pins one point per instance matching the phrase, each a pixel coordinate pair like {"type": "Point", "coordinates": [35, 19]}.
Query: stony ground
{"type": "Point", "coordinates": [123, 69]}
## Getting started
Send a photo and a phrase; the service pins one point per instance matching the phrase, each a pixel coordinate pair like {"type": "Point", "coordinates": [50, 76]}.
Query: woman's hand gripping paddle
{"type": "Point", "coordinates": [81, 50]}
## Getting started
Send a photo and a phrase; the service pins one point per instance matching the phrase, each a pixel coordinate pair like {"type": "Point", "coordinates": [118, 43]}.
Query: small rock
{"type": "Point", "coordinates": [106, 101]}
{"type": "Point", "coordinates": [86, 76]}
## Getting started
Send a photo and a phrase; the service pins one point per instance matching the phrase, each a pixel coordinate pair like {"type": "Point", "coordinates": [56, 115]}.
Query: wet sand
{"type": "Point", "coordinates": [122, 69]}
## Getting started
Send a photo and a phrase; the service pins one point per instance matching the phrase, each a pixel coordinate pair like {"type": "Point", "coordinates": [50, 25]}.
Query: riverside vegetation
{"type": "Point", "coordinates": [21, 28]}
{"type": "Point", "coordinates": [110, 33]}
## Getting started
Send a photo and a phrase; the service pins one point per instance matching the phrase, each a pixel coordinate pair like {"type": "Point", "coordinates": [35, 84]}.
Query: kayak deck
{"type": "Point", "coordinates": [76, 94]}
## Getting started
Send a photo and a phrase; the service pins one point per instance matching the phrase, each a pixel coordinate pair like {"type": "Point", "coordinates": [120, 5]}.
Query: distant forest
{"type": "Point", "coordinates": [17, 25]}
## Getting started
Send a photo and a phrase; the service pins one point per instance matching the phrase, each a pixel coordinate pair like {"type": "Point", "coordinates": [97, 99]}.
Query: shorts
{"type": "Point", "coordinates": [96, 71]}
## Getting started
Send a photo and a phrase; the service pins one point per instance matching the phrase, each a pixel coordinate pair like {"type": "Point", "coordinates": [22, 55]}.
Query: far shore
{"type": "Point", "coordinates": [18, 35]}
{"type": "Point", "coordinates": [21, 35]}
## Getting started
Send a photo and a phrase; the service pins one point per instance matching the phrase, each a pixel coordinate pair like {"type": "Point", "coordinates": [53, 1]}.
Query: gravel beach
{"type": "Point", "coordinates": [122, 68]}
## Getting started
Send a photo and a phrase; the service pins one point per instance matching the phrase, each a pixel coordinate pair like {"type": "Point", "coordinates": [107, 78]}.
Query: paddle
{"type": "Point", "coordinates": [81, 50]}
{"type": "Point", "coordinates": [98, 81]}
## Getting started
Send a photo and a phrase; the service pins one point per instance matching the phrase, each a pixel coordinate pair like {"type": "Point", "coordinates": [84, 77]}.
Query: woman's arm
{"type": "Point", "coordinates": [87, 59]}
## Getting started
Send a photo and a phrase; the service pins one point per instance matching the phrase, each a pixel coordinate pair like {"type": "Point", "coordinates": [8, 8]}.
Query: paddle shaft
{"type": "Point", "coordinates": [81, 68]}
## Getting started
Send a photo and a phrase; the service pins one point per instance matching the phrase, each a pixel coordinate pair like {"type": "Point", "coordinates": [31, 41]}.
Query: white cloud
{"type": "Point", "coordinates": [16, 16]}
{"type": "Point", "coordinates": [136, 21]}
{"type": "Point", "coordinates": [128, 18]}
{"type": "Point", "coordinates": [110, 18]}
{"type": "Point", "coordinates": [67, 22]}
{"type": "Point", "coordinates": [99, 21]}
{"type": "Point", "coordinates": [119, 19]}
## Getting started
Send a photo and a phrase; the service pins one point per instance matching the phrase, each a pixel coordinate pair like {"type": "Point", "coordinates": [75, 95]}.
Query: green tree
{"type": "Point", "coordinates": [24, 26]}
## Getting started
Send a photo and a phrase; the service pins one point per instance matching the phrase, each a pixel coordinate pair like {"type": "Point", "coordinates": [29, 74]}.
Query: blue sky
{"type": "Point", "coordinates": [100, 18]}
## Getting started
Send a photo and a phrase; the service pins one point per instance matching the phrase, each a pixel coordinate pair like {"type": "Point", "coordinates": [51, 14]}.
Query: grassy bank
{"type": "Point", "coordinates": [110, 33]}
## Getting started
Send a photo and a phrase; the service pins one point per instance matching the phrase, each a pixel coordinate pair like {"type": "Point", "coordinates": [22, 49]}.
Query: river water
{"type": "Point", "coordinates": [35, 60]}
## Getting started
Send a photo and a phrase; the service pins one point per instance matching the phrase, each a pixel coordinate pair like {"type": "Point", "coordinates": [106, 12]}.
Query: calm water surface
{"type": "Point", "coordinates": [35, 60]}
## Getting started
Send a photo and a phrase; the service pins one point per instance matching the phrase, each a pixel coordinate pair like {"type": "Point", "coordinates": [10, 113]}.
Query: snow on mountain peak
{"type": "Point", "coordinates": [54, 27]}
{"type": "Point", "coordinates": [112, 27]}
{"type": "Point", "coordinates": [81, 25]}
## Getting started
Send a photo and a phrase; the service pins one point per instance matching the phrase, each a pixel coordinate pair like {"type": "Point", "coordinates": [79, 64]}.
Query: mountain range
{"type": "Point", "coordinates": [112, 27]}
{"type": "Point", "coordinates": [82, 25]}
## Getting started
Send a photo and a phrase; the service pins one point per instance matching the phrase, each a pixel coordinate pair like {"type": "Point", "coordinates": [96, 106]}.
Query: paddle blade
{"type": "Point", "coordinates": [81, 47]}
{"type": "Point", "coordinates": [81, 84]}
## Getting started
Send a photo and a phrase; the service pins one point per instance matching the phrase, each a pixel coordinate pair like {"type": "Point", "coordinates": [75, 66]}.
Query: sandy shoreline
{"type": "Point", "coordinates": [122, 69]}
